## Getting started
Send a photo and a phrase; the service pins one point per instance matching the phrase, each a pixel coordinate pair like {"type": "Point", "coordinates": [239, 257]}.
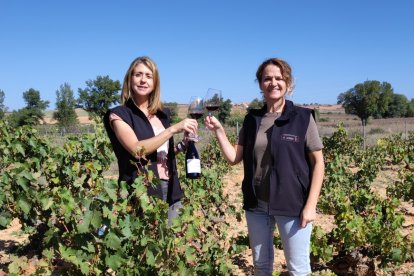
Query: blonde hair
{"type": "Point", "coordinates": [284, 69]}
{"type": "Point", "coordinates": [154, 102]}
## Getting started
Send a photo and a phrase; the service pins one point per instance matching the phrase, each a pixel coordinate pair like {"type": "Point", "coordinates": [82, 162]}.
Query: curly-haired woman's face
{"type": "Point", "coordinates": [272, 83]}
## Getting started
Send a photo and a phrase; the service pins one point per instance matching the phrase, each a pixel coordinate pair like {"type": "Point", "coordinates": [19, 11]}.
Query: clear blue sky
{"type": "Point", "coordinates": [197, 44]}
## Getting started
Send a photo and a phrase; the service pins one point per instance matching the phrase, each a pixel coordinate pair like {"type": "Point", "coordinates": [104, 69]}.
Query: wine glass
{"type": "Point", "coordinates": [195, 111]}
{"type": "Point", "coordinates": [195, 108]}
{"type": "Point", "coordinates": [212, 100]}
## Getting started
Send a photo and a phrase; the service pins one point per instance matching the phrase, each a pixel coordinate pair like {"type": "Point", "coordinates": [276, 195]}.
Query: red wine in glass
{"type": "Point", "coordinates": [212, 100]}
{"type": "Point", "coordinates": [195, 111]}
{"type": "Point", "coordinates": [196, 115]}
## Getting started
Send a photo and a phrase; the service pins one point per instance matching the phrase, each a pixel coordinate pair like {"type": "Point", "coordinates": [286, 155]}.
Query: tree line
{"type": "Point", "coordinates": [368, 99]}
{"type": "Point", "coordinates": [96, 98]}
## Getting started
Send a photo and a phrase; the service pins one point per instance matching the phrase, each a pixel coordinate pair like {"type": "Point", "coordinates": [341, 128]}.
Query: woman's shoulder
{"type": "Point", "coordinates": [120, 109]}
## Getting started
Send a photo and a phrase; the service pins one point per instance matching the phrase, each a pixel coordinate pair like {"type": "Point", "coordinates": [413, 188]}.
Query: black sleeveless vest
{"type": "Point", "coordinates": [128, 171]}
{"type": "Point", "coordinates": [290, 168]}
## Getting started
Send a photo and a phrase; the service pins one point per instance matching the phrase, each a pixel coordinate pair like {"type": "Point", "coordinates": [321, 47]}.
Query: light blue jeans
{"type": "Point", "coordinates": [295, 241]}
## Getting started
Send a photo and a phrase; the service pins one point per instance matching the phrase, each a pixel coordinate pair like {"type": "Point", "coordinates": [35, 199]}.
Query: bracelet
{"type": "Point", "coordinates": [181, 146]}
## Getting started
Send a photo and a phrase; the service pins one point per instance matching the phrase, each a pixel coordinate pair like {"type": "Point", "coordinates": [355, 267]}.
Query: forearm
{"type": "Point", "coordinates": [152, 144]}
{"type": "Point", "coordinates": [318, 172]}
{"type": "Point", "coordinates": [228, 150]}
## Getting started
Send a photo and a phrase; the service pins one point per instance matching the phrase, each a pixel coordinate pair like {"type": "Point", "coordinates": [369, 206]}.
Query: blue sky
{"type": "Point", "coordinates": [331, 45]}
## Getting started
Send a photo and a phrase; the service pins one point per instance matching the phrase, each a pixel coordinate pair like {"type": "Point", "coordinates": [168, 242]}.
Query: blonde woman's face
{"type": "Point", "coordinates": [272, 83]}
{"type": "Point", "coordinates": [142, 81]}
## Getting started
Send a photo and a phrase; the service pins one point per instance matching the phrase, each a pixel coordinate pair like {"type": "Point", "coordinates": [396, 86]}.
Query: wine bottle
{"type": "Point", "coordinates": [193, 165]}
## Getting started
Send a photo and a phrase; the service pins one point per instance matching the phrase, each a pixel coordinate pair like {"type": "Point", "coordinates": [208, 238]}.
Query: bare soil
{"type": "Point", "coordinates": [12, 237]}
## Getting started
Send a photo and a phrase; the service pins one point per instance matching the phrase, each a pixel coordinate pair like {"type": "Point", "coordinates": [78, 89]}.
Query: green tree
{"type": "Point", "coordinates": [173, 107]}
{"type": "Point", "coordinates": [410, 109]}
{"type": "Point", "coordinates": [65, 105]}
{"type": "Point", "coordinates": [385, 98]}
{"type": "Point", "coordinates": [2, 106]}
{"type": "Point", "coordinates": [99, 95]}
{"type": "Point", "coordinates": [256, 104]}
{"type": "Point", "coordinates": [397, 107]}
{"type": "Point", "coordinates": [365, 100]}
{"type": "Point", "coordinates": [33, 112]}
{"type": "Point", "coordinates": [224, 111]}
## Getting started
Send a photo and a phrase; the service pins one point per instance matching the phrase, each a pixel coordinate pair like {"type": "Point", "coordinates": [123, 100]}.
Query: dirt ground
{"type": "Point", "coordinates": [233, 188]}
{"type": "Point", "coordinates": [12, 236]}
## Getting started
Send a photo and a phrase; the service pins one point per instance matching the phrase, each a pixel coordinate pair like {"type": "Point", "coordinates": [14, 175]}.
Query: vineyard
{"type": "Point", "coordinates": [79, 221]}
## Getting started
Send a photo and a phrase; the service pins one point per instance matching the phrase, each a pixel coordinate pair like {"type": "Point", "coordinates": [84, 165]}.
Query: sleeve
{"type": "Point", "coordinates": [313, 141]}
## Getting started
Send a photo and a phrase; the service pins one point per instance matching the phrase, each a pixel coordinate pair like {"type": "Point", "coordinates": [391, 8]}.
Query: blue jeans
{"type": "Point", "coordinates": [295, 241]}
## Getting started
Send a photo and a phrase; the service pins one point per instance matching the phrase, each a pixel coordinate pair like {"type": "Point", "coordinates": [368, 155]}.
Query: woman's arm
{"type": "Point", "coordinates": [318, 172]}
{"type": "Point", "coordinates": [130, 142]}
{"type": "Point", "coordinates": [232, 153]}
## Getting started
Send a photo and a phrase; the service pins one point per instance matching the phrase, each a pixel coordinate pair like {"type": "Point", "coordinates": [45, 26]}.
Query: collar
{"type": "Point", "coordinates": [287, 113]}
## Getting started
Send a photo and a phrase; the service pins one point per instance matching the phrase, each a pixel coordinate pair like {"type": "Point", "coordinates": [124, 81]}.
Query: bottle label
{"type": "Point", "coordinates": [193, 166]}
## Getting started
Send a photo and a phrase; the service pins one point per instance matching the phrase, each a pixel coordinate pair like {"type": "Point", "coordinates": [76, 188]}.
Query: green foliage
{"type": "Point", "coordinates": [99, 95]}
{"type": "Point", "coordinates": [32, 113]}
{"type": "Point", "coordinates": [397, 107]}
{"type": "Point", "coordinates": [410, 109]}
{"type": "Point", "coordinates": [236, 118]}
{"type": "Point", "coordinates": [2, 107]}
{"type": "Point", "coordinates": [173, 106]}
{"type": "Point", "coordinates": [65, 105]}
{"type": "Point", "coordinates": [363, 220]}
{"type": "Point", "coordinates": [366, 99]}
{"type": "Point", "coordinates": [256, 104]}
{"type": "Point", "coordinates": [62, 201]}
{"type": "Point", "coordinates": [224, 111]}
{"type": "Point", "coordinates": [89, 224]}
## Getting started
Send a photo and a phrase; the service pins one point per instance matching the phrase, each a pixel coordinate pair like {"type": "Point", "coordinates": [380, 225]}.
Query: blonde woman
{"type": "Point", "coordinates": [142, 123]}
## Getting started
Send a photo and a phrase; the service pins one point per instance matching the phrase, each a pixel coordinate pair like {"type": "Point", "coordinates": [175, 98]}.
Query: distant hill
{"type": "Point", "coordinates": [183, 109]}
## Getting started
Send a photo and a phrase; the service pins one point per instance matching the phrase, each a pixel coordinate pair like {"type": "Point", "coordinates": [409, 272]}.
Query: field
{"type": "Point", "coordinates": [330, 117]}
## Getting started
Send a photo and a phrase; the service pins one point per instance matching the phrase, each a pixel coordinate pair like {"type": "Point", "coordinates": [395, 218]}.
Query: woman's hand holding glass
{"type": "Point", "coordinates": [195, 111]}
{"type": "Point", "coordinates": [212, 123]}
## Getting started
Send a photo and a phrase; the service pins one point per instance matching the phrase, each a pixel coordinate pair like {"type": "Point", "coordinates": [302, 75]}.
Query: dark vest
{"type": "Point", "coordinates": [290, 168]}
{"type": "Point", "coordinates": [128, 171]}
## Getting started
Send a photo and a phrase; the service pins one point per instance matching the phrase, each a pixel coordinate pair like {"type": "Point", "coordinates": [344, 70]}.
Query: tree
{"type": "Point", "coordinates": [365, 100]}
{"type": "Point", "coordinates": [99, 95]}
{"type": "Point", "coordinates": [173, 107]}
{"type": "Point", "coordinates": [65, 107]}
{"type": "Point", "coordinates": [398, 106]}
{"type": "Point", "coordinates": [3, 108]}
{"type": "Point", "coordinates": [33, 112]}
{"type": "Point", "coordinates": [410, 109]}
{"type": "Point", "coordinates": [224, 111]}
{"type": "Point", "coordinates": [256, 104]}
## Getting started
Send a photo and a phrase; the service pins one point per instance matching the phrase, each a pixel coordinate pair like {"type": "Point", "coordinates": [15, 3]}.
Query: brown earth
{"type": "Point", "coordinates": [12, 236]}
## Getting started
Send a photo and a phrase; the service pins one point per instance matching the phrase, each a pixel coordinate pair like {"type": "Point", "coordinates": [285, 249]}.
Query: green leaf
{"type": "Point", "coordinates": [24, 205]}
{"type": "Point", "coordinates": [96, 219]}
{"type": "Point", "coordinates": [90, 248]}
{"type": "Point", "coordinates": [19, 149]}
{"type": "Point", "coordinates": [48, 253]}
{"type": "Point", "coordinates": [46, 202]}
{"type": "Point", "coordinates": [111, 190]}
{"type": "Point", "coordinates": [150, 258]}
{"type": "Point", "coordinates": [114, 261]}
{"type": "Point", "coordinates": [113, 241]}
{"type": "Point", "coordinates": [83, 226]}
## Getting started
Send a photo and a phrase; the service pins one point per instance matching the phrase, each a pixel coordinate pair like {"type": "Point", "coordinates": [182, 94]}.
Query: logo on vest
{"type": "Point", "coordinates": [290, 138]}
